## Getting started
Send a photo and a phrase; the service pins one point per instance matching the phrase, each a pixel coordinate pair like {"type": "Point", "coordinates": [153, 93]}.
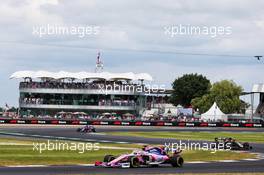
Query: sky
{"type": "Point", "coordinates": [133, 36]}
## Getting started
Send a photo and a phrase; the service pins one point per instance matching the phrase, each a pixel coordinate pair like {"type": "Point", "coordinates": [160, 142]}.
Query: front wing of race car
{"type": "Point", "coordinates": [117, 165]}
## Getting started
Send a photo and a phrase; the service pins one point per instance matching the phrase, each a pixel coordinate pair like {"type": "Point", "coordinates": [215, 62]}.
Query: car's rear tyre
{"type": "Point", "coordinates": [134, 162]}
{"type": "Point", "coordinates": [176, 161]}
{"type": "Point", "coordinates": [93, 130]}
{"type": "Point", "coordinates": [79, 130]}
{"type": "Point", "coordinates": [108, 158]}
{"type": "Point", "coordinates": [246, 146]}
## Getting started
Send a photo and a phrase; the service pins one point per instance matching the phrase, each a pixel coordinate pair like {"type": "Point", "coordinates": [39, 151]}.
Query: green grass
{"type": "Point", "coordinates": [23, 154]}
{"type": "Point", "coordinates": [218, 155]}
{"type": "Point", "coordinates": [243, 137]}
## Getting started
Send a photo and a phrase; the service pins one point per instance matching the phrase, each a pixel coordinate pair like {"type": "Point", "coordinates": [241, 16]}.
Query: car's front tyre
{"type": "Point", "coordinates": [108, 158]}
{"type": "Point", "coordinates": [176, 161]}
{"type": "Point", "coordinates": [134, 162]}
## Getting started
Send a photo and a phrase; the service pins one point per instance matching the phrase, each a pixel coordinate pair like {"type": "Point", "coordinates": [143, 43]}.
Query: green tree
{"type": "Point", "coordinates": [226, 94]}
{"type": "Point", "coordinates": [188, 87]}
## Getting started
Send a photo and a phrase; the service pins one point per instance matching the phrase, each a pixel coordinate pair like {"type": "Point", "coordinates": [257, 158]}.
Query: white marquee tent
{"type": "Point", "coordinates": [214, 114]}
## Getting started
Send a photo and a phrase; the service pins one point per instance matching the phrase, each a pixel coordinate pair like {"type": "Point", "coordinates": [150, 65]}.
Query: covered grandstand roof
{"type": "Point", "coordinates": [82, 75]}
{"type": "Point", "coordinates": [258, 88]}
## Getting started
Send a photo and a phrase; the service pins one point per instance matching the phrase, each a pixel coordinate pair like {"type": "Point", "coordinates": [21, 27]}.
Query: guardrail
{"type": "Point", "coordinates": [129, 123]}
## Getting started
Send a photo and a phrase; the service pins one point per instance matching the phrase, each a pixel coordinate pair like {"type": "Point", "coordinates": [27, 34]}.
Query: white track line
{"type": "Point", "coordinates": [250, 159]}
{"type": "Point", "coordinates": [115, 147]}
{"type": "Point", "coordinates": [197, 162]}
{"type": "Point", "coordinates": [228, 161]}
{"type": "Point", "coordinates": [16, 144]}
{"type": "Point", "coordinates": [91, 165]}
{"type": "Point", "coordinates": [25, 166]}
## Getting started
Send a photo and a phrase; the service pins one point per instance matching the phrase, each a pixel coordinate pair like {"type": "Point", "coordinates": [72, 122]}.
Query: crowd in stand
{"type": "Point", "coordinates": [75, 85]}
{"type": "Point", "coordinates": [59, 85]}
{"type": "Point", "coordinates": [70, 115]}
{"type": "Point", "coordinates": [38, 101]}
{"type": "Point", "coordinates": [31, 101]}
{"type": "Point", "coordinates": [117, 103]}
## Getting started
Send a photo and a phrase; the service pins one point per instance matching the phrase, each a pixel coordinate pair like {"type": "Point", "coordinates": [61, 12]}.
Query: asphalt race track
{"type": "Point", "coordinates": [188, 168]}
{"type": "Point", "coordinates": [101, 128]}
{"type": "Point", "coordinates": [69, 132]}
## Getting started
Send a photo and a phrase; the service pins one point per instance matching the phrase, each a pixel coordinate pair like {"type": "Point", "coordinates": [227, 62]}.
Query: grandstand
{"type": "Point", "coordinates": [259, 112]}
{"type": "Point", "coordinates": [255, 114]}
{"type": "Point", "coordinates": [88, 94]}
{"type": "Point", "coordinates": [48, 93]}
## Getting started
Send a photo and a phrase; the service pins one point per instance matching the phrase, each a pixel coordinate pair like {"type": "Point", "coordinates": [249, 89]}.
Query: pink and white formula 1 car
{"type": "Point", "coordinates": [148, 156]}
